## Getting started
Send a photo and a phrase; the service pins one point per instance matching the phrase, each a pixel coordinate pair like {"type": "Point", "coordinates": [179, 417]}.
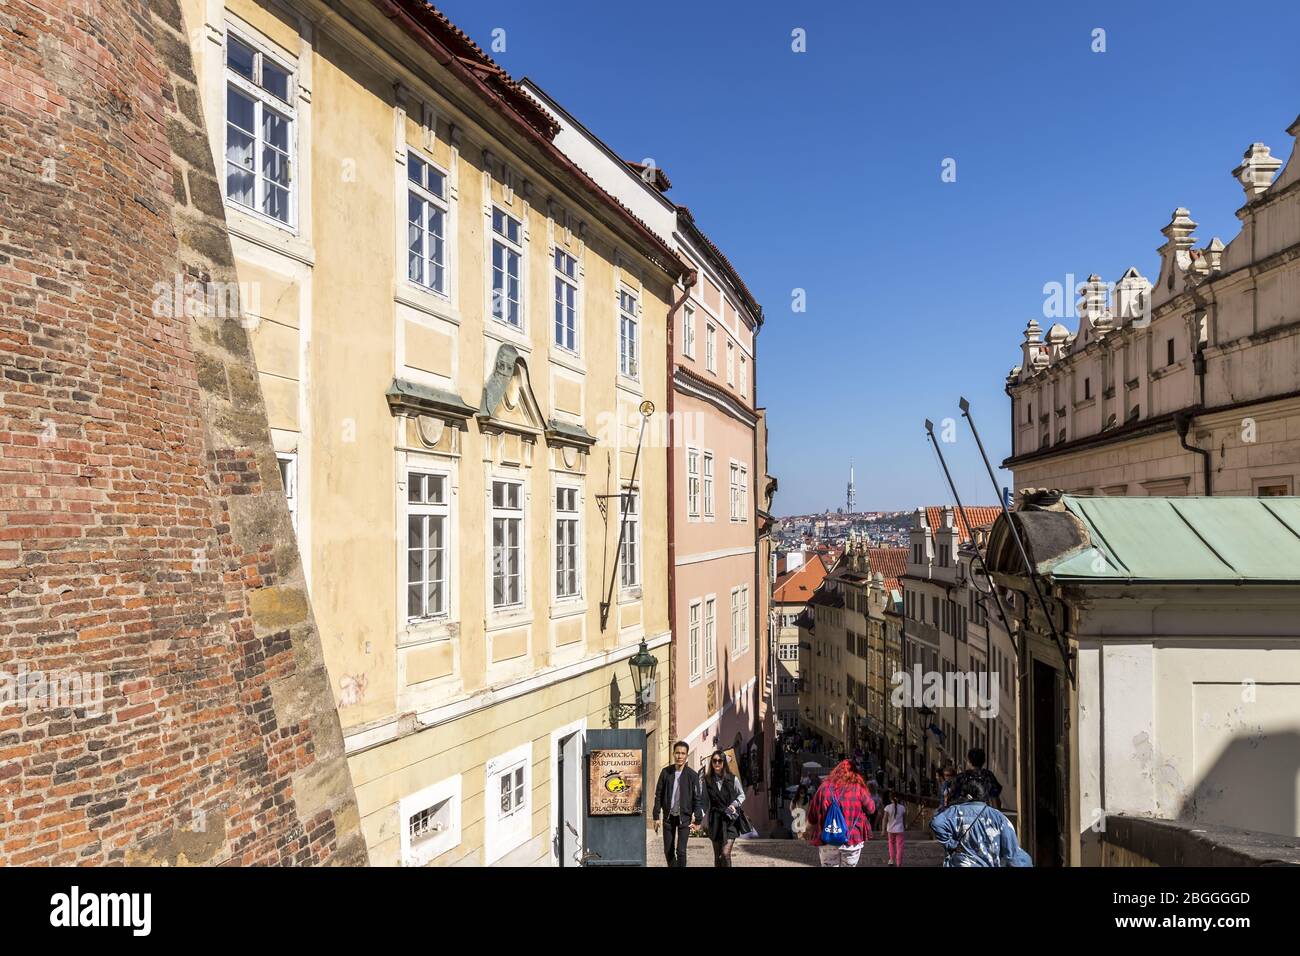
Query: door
{"type": "Point", "coordinates": [1048, 744]}
{"type": "Point", "coordinates": [570, 815]}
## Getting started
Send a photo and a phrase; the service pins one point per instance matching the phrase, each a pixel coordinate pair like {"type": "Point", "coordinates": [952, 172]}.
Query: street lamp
{"type": "Point", "coordinates": [642, 665]}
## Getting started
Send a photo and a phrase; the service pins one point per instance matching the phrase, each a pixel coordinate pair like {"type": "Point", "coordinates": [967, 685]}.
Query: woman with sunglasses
{"type": "Point", "coordinates": [723, 795]}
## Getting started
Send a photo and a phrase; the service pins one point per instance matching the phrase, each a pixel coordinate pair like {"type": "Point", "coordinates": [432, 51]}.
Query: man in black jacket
{"type": "Point", "coordinates": [678, 795]}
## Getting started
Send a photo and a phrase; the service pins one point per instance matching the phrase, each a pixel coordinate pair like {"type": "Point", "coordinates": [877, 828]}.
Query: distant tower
{"type": "Point", "coordinates": [853, 492]}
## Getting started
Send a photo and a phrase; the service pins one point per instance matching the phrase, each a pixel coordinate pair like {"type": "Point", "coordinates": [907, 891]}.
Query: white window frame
{"type": "Point", "coordinates": [744, 494]}
{"type": "Point", "coordinates": [743, 594]}
{"type": "Point", "coordinates": [496, 238]}
{"type": "Point", "coordinates": [629, 558]}
{"type": "Point", "coordinates": [710, 347]}
{"type": "Point", "coordinates": [706, 479]}
{"type": "Point", "coordinates": [692, 482]}
{"type": "Point", "coordinates": [629, 342]}
{"type": "Point", "coordinates": [421, 852]}
{"type": "Point", "coordinates": [261, 99]}
{"type": "Point", "coordinates": [735, 621]}
{"type": "Point", "coordinates": [710, 634]}
{"type": "Point", "coordinates": [734, 484]}
{"type": "Point", "coordinates": [501, 834]}
{"type": "Point", "coordinates": [289, 477]}
{"type": "Point", "coordinates": [511, 514]}
{"type": "Point", "coordinates": [694, 624]}
{"type": "Point", "coordinates": [412, 509]}
{"type": "Point", "coordinates": [573, 516]}
{"type": "Point", "coordinates": [561, 278]}
{"type": "Point", "coordinates": [744, 376]}
{"type": "Point", "coordinates": [688, 331]}
{"type": "Point", "coordinates": [443, 202]}
{"type": "Point", "coordinates": [731, 363]}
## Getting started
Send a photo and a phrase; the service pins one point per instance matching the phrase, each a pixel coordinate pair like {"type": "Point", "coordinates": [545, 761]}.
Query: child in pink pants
{"type": "Point", "coordinates": [895, 828]}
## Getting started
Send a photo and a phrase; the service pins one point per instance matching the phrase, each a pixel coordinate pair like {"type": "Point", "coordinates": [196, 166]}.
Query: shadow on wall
{"type": "Point", "coordinates": [1253, 784]}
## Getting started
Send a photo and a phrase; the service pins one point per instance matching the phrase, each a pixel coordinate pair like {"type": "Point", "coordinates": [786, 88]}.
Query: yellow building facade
{"type": "Point", "coordinates": [454, 330]}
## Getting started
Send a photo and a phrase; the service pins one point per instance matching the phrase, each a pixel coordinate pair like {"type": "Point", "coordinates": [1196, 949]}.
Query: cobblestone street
{"type": "Point", "coordinates": [920, 851]}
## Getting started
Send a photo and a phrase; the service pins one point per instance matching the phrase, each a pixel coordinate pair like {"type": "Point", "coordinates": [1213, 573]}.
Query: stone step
{"type": "Point", "coordinates": [919, 850]}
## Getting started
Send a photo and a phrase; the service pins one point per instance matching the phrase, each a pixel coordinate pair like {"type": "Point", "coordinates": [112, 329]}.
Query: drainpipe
{"type": "Point", "coordinates": [688, 281]}
{"type": "Point", "coordinates": [1183, 423]}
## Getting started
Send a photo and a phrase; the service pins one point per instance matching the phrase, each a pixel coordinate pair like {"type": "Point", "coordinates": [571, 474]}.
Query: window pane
{"type": "Point", "coordinates": [239, 57]}
{"type": "Point", "coordinates": [275, 131]}
{"type": "Point", "coordinates": [436, 182]}
{"type": "Point", "coordinates": [415, 169]}
{"type": "Point", "coordinates": [436, 488]}
{"type": "Point", "coordinates": [275, 80]}
{"type": "Point", "coordinates": [240, 112]}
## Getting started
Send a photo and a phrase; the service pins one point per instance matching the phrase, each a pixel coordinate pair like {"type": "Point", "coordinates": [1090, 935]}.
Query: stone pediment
{"type": "Point", "coordinates": [508, 399]}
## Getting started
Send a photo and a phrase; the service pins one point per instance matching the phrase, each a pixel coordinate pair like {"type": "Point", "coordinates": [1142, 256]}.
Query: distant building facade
{"type": "Point", "coordinates": [1190, 386]}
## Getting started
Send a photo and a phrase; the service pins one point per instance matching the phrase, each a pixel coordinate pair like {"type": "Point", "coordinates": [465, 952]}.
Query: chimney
{"type": "Point", "coordinates": [1256, 172]}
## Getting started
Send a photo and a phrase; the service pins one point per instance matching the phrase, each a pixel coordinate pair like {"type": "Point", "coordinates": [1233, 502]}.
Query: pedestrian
{"type": "Point", "coordinates": [723, 795]}
{"type": "Point", "coordinates": [975, 834]}
{"type": "Point", "coordinates": [875, 816]}
{"type": "Point", "coordinates": [975, 768]}
{"type": "Point", "coordinates": [895, 827]}
{"type": "Point", "coordinates": [946, 793]}
{"type": "Point", "coordinates": [838, 816]}
{"type": "Point", "coordinates": [678, 796]}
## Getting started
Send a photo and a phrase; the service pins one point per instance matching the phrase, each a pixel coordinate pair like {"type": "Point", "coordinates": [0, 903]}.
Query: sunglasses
{"type": "Point", "coordinates": [716, 760]}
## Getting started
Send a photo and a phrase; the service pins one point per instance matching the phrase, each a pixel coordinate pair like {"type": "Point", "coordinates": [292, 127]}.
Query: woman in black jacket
{"type": "Point", "coordinates": [723, 795]}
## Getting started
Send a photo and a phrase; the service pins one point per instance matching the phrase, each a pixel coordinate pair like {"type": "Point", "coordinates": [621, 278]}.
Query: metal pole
{"type": "Point", "coordinates": [1020, 546]}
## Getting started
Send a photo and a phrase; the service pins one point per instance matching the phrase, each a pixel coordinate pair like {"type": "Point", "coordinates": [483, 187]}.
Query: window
{"type": "Point", "coordinates": [710, 636]}
{"type": "Point", "coordinates": [1030, 417]}
{"type": "Point", "coordinates": [630, 556]}
{"type": "Point", "coordinates": [688, 332]}
{"type": "Point", "coordinates": [426, 545]}
{"type": "Point", "coordinates": [1272, 487]}
{"type": "Point", "coordinates": [1087, 389]}
{"type": "Point", "coordinates": [566, 301]}
{"type": "Point", "coordinates": [740, 629]}
{"type": "Point", "coordinates": [289, 478]}
{"type": "Point", "coordinates": [507, 544]}
{"type": "Point", "coordinates": [693, 482]}
{"type": "Point", "coordinates": [739, 492]}
{"type": "Point", "coordinates": [731, 364]}
{"type": "Point", "coordinates": [432, 822]}
{"type": "Point", "coordinates": [1169, 352]}
{"type": "Point", "coordinates": [259, 131]}
{"type": "Point", "coordinates": [710, 347]}
{"type": "Point", "coordinates": [735, 621]}
{"type": "Point", "coordinates": [744, 376]}
{"type": "Point", "coordinates": [567, 575]}
{"type": "Point", "coordinates": [693, 640]}
{"type": "Point", "coordinates": [628, 311]}
{"type": "Point", "coordinates": [507, 802]}
{"type": "Point", "coordinates": [426, 224]}
{"type": "Point", "coordinates": [708, 484]}
{"type": "Point", "coordinates": [507, 263]}
{"type": "Point", "coordinates": [787, 652]}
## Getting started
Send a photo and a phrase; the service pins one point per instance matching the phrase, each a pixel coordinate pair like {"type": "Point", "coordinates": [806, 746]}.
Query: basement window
{"type": "Point", "coordinates": [431, 822]}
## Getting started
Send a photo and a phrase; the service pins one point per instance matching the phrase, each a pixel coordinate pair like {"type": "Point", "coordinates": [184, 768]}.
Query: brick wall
{"type": "Point", "coordinates": [144, 540]}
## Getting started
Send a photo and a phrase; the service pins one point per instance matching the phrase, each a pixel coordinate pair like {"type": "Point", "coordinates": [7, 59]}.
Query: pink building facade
{"type": "Point", "coordinates": [719, 693]}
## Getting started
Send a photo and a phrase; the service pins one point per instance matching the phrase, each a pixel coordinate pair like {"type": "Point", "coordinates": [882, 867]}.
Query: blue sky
{"type": "Point", "coordinates": [821, 171]}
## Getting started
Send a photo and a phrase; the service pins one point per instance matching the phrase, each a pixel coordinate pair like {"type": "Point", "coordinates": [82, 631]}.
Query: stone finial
{"type": "Point", "coordinates": [1092, 304]}
{"type": "Point", "coordinates": [1058, 342]}
{"type": "Point", "coordinates": [1213, 254]}
{"type": "Point", "coordinates": [1257, 170]}
{"type": "Point", "coordinates": [1180, 229]}
{"type": "Point", "coordinates": [1033, 353]}
{"type": "Point", "coordinates": [1132, 296]}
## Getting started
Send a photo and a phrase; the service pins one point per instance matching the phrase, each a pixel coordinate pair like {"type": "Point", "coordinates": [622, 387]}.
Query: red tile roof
{"type": "Point", "coordinates": [980, 516]}
{"type": "Point", "coordinates": [891, 563]}
{"type": "Point", "coordinates": [797, 586]}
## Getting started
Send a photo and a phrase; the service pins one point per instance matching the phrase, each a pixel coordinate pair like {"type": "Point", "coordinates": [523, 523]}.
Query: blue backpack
{"type": "Point", "coordinates": [835, 831]}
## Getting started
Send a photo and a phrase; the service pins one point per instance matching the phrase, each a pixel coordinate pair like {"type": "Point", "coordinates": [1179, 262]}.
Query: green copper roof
{"type": "Point", "coordinates": [1228, 540]}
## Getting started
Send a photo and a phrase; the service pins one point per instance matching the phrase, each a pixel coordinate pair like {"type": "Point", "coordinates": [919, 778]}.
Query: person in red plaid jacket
{"type": "Point", "coordinates": [846, 783]}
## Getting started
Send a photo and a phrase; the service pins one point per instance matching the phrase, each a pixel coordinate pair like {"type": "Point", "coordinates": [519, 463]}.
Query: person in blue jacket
{"type": "Point", "coordinates": [973, 833]}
